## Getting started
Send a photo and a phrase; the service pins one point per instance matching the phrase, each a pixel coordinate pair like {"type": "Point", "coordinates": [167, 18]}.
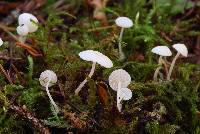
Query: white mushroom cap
{"type": "Point", "coordinates": [181, 48]}
{"type": "Point", "coordinates": [162, 51]}
{"type": "Point", "coordinates": [1, 42]}
{"type": "Point", "coordinates": [22, 30]}
{"type": "Point", "coordinates": [117, 76]}
{"type": "Point", "coordinates": [124, 22]}
{"type": "Point", "coordinates": [125, 94]}
{"type": "Point", "coordinates": [46, 76]}
{"type": "Point", "coordinates": [29, 20]}
{"type": "Point", "coordinates": [95, 56]}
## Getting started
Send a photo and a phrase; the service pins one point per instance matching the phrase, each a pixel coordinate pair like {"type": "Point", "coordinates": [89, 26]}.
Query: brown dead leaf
{"type": "Point", "coordinates": [98, 12]}
{"type": "Point", "coordinates": [119, 122]}
{"type": "Point", "coordinates": [103, 95]}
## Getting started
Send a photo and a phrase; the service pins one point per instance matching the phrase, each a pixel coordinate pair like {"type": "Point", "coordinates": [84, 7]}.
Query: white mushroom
{"type": "Point", "coordinates": [47, 79]}
{"type": "Point", "coordinates": [22, 30]}
{"type": "Point", "coordinates": [29, 20]}
{"type": "Point", "coordinates": [123, 94]}
{"type": "Point", "coordinates": [119, 77]}
{"type": "Point", "coordinates": [1, 42]}
{"type": "Point", "coordinates": [181, 50]}
{"type": "Point", "coordinates": [118, 81]}
{"type": "Point", "coordinates": [95, 57]}
{"type": "Point", "coordinates": [162, 51]}
{"type": "Point", "coordinates": [122, 22]}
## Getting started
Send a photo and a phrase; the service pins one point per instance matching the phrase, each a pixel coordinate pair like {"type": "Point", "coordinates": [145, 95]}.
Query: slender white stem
{"type": "Point", "coordinates": [51, 99]}
{"type": "Point", "coordinates": [83, 83]}
{"type": "Point", "coordinates": [119, 98]}
{"type": "Point", "coordinates": [121, 54]}
{"type": "Point", "coordinates": [155, 76]}
{"type": "Point", "coordinates": [172, 66]}
{"type": "Point", "coordinates": [22, 39]}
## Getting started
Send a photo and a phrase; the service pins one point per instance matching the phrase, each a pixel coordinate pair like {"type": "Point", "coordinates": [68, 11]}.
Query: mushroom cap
{"type": "Point", "coordinates": [125, 93]}
{"type": "Point", "coordinates": [26, 19]}
{"type": "Point", "coordinates": [162, 51]}
{"type": "Point", "coordinates": [117, 76]}
{"type": "Point", "coordinates": [181, 48]}
{"type": "Point", "coordinates": [95, 56]}
{"type": "Point", "coordinates": [22, 30]}
{"type": "Point", "coordinates": [46, 76]}
{"type": "Point", "coordinates": [124, 22]}
{"type": "Point", "coordinates": [1, 42]}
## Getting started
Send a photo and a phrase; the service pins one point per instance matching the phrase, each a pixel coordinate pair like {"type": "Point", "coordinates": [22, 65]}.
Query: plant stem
{"type": "Point", "coordinates": [83, 83]}
{"type": "Point", "coordinates": [172, 66]}
{"type": "Point", "coordinates": [155, 76]}
{"type": "Point", "coordinates": [22, 39]}
{"type": "Point", "coordinates": [119, 105]}
{"type": "Point", "coordinates": [121, 54]}
{"type": "Point", "coordinates": [51, 99]}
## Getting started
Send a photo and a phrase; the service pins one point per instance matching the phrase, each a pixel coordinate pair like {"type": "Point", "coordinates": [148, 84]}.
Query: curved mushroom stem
{"type": "Point", "coordinates": [83, 83]}
{"type": "Point", "coordinates": [119, 98]}
{"type": "Point", "coordinates": [51, 99]}
{"type": "Point", "coordinates": [121, 54]}
{"type": "Point", "coordinates": [160, 61]}
{"type": "Point", "coordinates": [172, 66]}
{"type": "Point", "coordinates": [22, 39]}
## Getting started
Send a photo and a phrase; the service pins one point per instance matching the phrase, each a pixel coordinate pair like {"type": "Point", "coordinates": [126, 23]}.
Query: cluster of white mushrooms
{"type": "Point", "coordinates": [118, 79]}
{"type": "Point", "coordinates": [28, 23]}
{"type": "Point", "coordinates": [164, 51]}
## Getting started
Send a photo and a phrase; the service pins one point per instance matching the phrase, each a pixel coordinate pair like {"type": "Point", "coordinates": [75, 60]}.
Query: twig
{"type": "Point", "coordinates": [6, 75]}
{"type": "Point", "coordinates": [31, 118]}
{"type": "Point", "coordinates": [5, 29]}
{"type": "Point", "coordinates": [101, 28]}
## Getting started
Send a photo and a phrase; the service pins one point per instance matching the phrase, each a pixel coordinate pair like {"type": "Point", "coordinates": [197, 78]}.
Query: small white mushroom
{"type": "Point", "coordinates": [1, 42]}
{"type": "Point", "coordinates": [122, 22]}
{"type": "Point", "coordinates": [47, 79]}
{"type": "Point", "coordinates": [123, 94]}
{"type": "Point", "coordinates": [119, 77]}
{"type": "Point", "coordinates": [162, 51]}
{"type": "Point", "coordinates": [22, 30]}
{"type": "Point", "coordinates": [118, 81]}
{"type": "Point", "coordinates": [29, 20]}
{"type": "Point", "coordinates": [95, 57]}
{"type": "Point", "coordinates": [181, 50]}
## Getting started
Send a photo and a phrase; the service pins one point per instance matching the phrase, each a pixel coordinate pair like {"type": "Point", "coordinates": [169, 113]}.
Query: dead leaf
{"type": "Point", "coordinates": [103, 95]}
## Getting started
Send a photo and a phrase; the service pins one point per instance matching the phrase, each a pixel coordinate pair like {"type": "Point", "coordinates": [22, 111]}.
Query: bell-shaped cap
{"type": "Point", "coordinates": [29, 20]}
{"type": "Point", "coordinates": [124, 22]}
{"type": "Point", "coordinates": [181, 48]}
{"type": "Point", "coordinates": [1, 42]}
{"type": "Point", "coordinates": [95, 56]}
{"type": "Point", "coordinates": [121, 76]}
{"type": "Point", "coordinates": [162, 51]}
{"type": "Point", "coordinates": [22, 30]}
{"type": "Point", "coordinates": [47, 76]}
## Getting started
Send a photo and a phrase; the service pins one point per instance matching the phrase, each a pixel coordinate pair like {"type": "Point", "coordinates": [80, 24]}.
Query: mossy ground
{"type": "Point", "coordinates": [163, 107]}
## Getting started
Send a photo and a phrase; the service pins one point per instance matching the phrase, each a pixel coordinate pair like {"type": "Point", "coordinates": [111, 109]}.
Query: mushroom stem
{"type": "Point", "coordinates": [158, 69]}
{"type": "Point", "coordinates": [121, 54]}
{"type": "Point", "coordinates": [172, 66]}
{"type": "Point", "coordinates": [83, 83]}
{"type": "Point", "coordinates": [51, 99]}
{"type": "Point", "coordinates": [119, 105]}
{"type": "Point", "coordinates": [22, 39]}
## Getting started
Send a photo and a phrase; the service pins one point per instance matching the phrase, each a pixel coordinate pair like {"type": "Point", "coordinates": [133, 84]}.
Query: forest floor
{"type": "Point", "coordinates": [67, 27]}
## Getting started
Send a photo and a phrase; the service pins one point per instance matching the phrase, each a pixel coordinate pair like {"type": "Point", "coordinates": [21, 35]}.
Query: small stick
{"type": "Point", "coordinates": [6, 75]}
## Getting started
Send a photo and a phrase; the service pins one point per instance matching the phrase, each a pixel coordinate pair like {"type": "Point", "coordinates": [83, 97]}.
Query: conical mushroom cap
{"type": "Point", "coordinates": [162, 51]}
{"type": "Point", "coordinates": [26, 19]}
{"type": "Point", "coordinates": [1, 42]}
{"type": "Point", "coordinates": [46, 76]}
{"type": "Point", "coordinates": [117, 76]}
{"type": "Point", "coordinates": [181, 48]}
{"type": "Point", "coordinates": [124, 22]}
{"type": "Point", "coordinates": [95, 56]}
